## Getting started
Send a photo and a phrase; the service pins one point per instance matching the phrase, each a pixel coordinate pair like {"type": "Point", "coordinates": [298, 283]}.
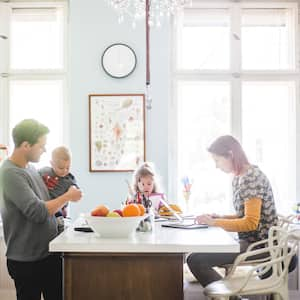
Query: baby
{"type": "Point", "coordinates": [58, 179]}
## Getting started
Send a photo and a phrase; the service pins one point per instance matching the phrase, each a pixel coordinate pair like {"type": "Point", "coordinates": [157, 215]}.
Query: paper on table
{"type": "Point", "coordinates": [176, 215]}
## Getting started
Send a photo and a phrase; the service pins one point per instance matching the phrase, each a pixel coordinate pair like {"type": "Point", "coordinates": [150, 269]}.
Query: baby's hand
{"type": "Point", "coordinates": [74, 193]}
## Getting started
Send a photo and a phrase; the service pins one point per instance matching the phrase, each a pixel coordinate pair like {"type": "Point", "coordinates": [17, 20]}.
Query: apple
{"type": "Point", "coordinates": [100, 211]}
{"type": "Point", "coordinates": [113, 214]}
{"type": "Point", "coordinates": [119, 211]}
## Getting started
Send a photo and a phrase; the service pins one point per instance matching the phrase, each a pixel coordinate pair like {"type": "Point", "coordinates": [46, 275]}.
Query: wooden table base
{"type": "Point", "coordinates": [128, 276]}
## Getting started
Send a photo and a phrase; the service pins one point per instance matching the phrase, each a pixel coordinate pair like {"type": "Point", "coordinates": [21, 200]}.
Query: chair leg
{"type": "Point", "coordinates": [278, 296]}
{"type": "Point", "coordinates": [282, 293]}
{"type": "Point", "coordinates": [269, 297]}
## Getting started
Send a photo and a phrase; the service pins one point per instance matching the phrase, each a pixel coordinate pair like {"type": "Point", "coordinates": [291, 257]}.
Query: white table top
{"type": "Point", "coordinates": [161, 240]}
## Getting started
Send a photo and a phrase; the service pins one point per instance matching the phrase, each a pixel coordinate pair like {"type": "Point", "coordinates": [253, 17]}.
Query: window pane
{"type": "Point", "coordinates": [37, 38]}
{"type": "Point", "coordinates": [269, 135]}
{"type": "Point", "coordinates": [4, 32]}
{"type": "Point", "coordinates": [203, 114]}
{"type": "Point", "coordinates": [204, 40]}
{"type": "Point", "coordinates": [268, 39]}
{"type": "Point", "coordinates": [41, 100]}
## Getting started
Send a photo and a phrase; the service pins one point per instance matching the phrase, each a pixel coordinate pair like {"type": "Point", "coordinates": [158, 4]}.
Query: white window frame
{"type": "Point", "coordinates": [51, 74]}
{"type": "Point", "coordinates": [233, 75]}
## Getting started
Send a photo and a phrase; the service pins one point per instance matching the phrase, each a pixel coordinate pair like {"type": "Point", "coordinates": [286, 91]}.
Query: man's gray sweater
{"type": "Point", "coordinates": [28, 227]}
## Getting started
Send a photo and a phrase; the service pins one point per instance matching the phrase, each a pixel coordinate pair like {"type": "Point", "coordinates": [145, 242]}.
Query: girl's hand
{"type": "Point", "coordinates": [205, 219]}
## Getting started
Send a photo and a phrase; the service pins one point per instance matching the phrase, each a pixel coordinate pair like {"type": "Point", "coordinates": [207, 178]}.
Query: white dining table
{"type": "Point", "coordinates": [146, 265]}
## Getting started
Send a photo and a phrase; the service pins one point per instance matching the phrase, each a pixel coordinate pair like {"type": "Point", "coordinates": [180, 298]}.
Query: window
{"type": "Point", "coordinates": [36, 73]}
{"type": "Point", "coordinates": [204, 113]}
{"type": "Point", "coordinates": [37, 39]}
{"type": "Point", "coordinates": [272, 31]}
{"type": "Point", "coordinates": [235, 72]}
{"type": "Point", "coordinates": [210, 48]}
{"type": "Point", "coordinates": [268, 130]}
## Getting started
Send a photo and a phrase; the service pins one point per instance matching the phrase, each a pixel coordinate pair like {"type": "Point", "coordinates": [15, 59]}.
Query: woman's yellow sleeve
{"type": "Point", "coordinates": [250, 220]}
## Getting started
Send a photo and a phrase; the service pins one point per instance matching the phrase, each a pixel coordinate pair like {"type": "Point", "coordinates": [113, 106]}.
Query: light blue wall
{"type": "Point", "coordinates": [94, 26]}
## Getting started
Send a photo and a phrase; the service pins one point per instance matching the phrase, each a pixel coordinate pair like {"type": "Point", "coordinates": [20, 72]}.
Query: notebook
{"type": "Point", "coordinates": [184, 225]}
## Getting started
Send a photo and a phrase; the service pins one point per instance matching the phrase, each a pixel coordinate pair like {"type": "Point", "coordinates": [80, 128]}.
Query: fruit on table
{"type": "Point", "coordinates": [131, 210]}
{"type": "Point", "coordinates": [142, 209]}
{"type": "Point", "coordinates": [164, 211]}
{"type": "Point", "coordinates": [113, 214]}
{"type": "Point", "coordinates": [119, 211]}
{"type": "Point", "coordinates": [100, 210]}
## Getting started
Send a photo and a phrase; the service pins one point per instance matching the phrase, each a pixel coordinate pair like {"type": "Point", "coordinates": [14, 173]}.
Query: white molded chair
{"type": "Point", "coordinates": [284, 222]}
{"type": "Point", "coordinates": [254, 282]}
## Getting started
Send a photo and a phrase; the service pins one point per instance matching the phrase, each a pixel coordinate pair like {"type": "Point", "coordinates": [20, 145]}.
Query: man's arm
{"type": "Point", "coordinates": [73, 194]}
{"type": "Point", "coordinates": [18, 190]}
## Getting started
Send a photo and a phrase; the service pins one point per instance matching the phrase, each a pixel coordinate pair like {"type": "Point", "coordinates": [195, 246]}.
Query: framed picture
{"type": "Point", "coordinates": [116, 132]}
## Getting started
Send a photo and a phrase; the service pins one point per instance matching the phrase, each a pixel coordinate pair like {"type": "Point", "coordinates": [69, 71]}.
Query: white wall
{"type": "Point", "coordinates": [93, 27]}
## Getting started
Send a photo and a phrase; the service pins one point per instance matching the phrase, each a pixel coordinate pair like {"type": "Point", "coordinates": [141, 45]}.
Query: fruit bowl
{"type": "Point", "coordinates": [112, 227]}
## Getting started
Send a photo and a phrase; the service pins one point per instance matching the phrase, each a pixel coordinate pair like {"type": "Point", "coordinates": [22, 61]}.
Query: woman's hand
{"type": "Point", "coordinates": [215, 216]}
{"type": "Point", "coordinates": [205, 219]}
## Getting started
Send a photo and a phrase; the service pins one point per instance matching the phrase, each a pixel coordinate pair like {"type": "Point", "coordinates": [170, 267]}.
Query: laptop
{"type": "Point", "coordinates": [182, 222]}
{"type": "Point", "coordinates": [184, 225]}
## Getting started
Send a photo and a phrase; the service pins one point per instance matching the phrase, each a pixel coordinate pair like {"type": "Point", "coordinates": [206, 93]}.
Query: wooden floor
{"type": "Point", "coordinates": [192, 291]}
{"type": "Point", "coordinates": [7, 294]}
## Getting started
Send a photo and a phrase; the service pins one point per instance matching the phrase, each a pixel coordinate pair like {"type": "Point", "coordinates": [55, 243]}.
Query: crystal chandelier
{"type": "Point", "coordinates": [136, 9]}
{"type": "Point", "coordinates": [152, 11]}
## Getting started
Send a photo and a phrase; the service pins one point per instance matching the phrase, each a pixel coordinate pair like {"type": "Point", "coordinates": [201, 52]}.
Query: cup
{"type": "Point", "coordinates": [186, 196]}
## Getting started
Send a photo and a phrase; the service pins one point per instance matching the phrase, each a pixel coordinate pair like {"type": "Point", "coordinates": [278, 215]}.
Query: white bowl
{"type": "Point", "coordinates": [114, 227]}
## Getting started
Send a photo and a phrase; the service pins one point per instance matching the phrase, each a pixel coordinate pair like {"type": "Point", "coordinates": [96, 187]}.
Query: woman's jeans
{"type": "Point", "coordinates": [201, 264]}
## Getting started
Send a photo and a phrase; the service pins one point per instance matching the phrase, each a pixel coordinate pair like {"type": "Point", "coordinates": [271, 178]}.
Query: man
{"type": "Point", "coordinates": [28, 216]}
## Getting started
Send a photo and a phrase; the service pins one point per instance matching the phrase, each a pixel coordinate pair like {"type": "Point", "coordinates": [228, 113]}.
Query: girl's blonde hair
{"type": "Point", "coordinates": [144, 170]}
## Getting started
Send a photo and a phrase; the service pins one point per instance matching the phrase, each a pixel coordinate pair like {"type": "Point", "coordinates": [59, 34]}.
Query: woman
{"type": "Point", "coordinates": [253, 201]}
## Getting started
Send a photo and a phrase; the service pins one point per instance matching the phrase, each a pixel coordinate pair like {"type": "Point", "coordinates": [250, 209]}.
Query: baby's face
{"type": "Point", "coordinates": [61, 167]}
{"type": "Point", "coordinates": [146, 184]}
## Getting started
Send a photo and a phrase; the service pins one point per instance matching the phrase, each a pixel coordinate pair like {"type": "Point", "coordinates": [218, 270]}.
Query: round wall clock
{"type": "Point", "coordinates": [118, 60]}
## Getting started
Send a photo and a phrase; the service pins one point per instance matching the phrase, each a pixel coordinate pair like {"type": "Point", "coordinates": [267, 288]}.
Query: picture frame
{"type": "Point", "coordinates": [116, 132]}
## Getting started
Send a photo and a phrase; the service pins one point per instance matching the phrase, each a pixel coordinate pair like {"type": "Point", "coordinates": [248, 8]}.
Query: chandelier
{"type": "Point", "coordinates": [152, 11]}
{"type": "Point", "coordinates": [136, 9]}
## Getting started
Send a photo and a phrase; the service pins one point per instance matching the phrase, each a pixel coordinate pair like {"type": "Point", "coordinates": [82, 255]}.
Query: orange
{"type": "Point", "coordinates": [131, 210]}
{"type": "Point", "coordinates": [100, 210]}
{"type": "Point", "coordinates": [142, 209]}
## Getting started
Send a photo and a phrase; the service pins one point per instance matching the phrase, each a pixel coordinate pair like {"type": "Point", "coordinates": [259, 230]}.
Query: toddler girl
{"type": "Point", "coordinates": [145, 185]}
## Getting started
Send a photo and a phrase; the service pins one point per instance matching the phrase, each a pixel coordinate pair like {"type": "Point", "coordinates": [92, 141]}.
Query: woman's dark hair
{"type": "Point", "coordinates": [28, 130]}
{"type": "Point", "coordinates": [229, 147]}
